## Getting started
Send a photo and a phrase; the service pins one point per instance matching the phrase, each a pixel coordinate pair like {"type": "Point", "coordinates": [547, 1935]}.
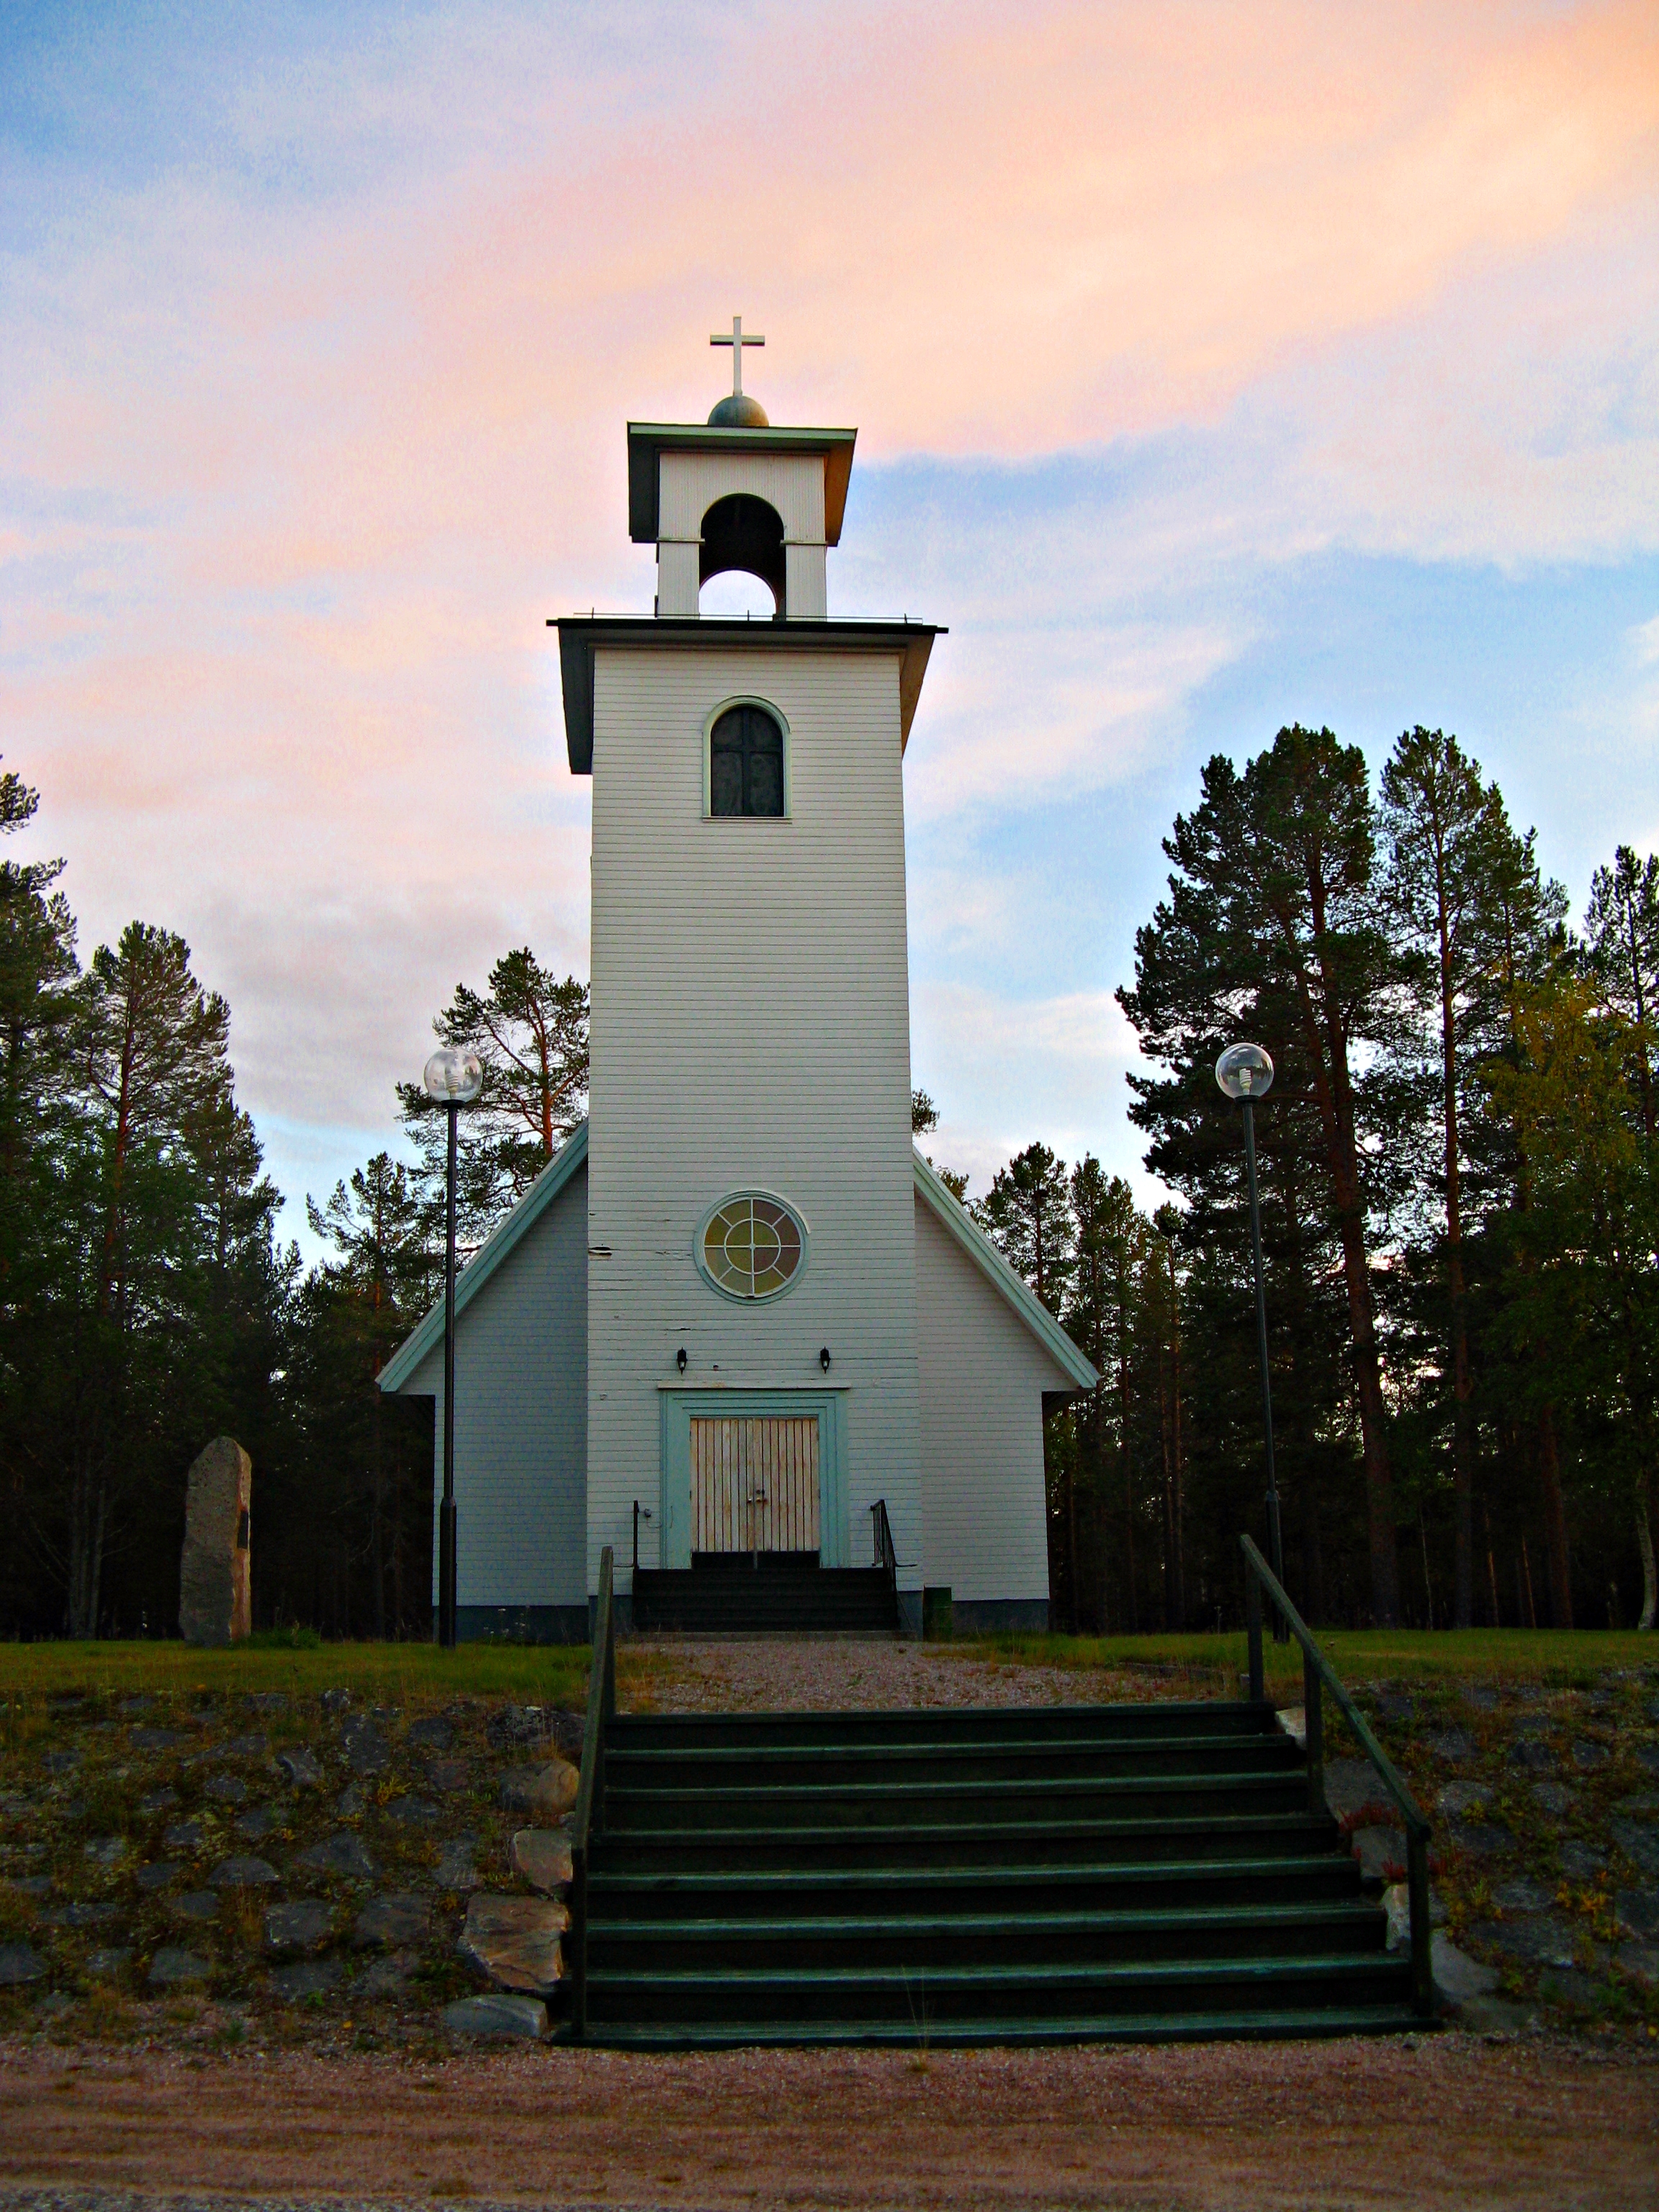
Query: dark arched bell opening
{"type": "Point", "coordinates": [741, 532]}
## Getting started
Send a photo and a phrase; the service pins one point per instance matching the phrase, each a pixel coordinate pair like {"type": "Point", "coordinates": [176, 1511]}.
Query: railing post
{"type": "Point", "coordinates": [1417, 1888]}
{"type": "Point", "coordinates": [578, 1947]}
{"type": "Point", "coordinates": [1253, 1622]}
{"type": "Point", "coordinates": [1313, 1733]}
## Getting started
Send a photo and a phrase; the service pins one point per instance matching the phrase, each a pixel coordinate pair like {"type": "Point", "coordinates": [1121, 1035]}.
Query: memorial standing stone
{"type": "Point", "coordinates": [214, 1603]}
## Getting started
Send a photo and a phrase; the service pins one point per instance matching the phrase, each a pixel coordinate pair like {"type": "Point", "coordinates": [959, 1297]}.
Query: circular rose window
{"type": "Point", "coordinates": [752, 1247]}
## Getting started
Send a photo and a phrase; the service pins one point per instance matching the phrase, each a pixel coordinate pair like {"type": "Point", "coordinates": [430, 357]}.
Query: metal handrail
{"type": "Point", "coordinates": [886, 1550]}
{"type": "Point", "coordinates": [1317, 1676]}
{"type": "Point", "coordinates": [588, 1818]}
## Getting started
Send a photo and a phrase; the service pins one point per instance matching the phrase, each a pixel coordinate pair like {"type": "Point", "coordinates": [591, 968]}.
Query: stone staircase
{"type": "Point", "coordinates": [763, 1593]}
{"type": "Point", "coordinates": [1139, 1873]}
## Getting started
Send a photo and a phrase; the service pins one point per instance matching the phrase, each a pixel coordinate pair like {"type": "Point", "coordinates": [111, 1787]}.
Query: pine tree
{"type": "Point", "coordinates": [1444, 829]}
{"type": "Point", "coordinates": [1272, 929]}
{"type": "Point", "coordinates": [156, 1065]}
{"type": "Point", "coordinates": [529, 1030]}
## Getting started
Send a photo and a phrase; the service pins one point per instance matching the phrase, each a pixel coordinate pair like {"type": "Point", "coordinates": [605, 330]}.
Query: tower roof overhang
{"type": "Point", "coordinates": [582, 636]}
{"type": "Point", "coordinates": [647, 441]}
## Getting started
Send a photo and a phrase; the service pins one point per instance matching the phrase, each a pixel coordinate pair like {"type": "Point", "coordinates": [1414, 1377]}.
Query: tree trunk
{"type": "Point", "coordinates": [1555, 1521]}
{"type": "Point", "coordinates": [1644, 1541]}
{"type": "Point", "coordinates": [1327, 1044]}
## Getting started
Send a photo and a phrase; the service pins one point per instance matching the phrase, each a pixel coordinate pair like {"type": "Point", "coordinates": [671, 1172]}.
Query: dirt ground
{"type": "Point", "coordinates": [1440, 2121]}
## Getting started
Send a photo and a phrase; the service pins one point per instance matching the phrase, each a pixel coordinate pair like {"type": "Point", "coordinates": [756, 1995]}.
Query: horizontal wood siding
{"type": "Point", "coordinates": [983, 1373]}
{"type": "Point", "coordinates": [521, 1419]}
{"type": "Point", "coordinates": [750, 1030]}
{"type": "Point", "coordinates": [792, 483]}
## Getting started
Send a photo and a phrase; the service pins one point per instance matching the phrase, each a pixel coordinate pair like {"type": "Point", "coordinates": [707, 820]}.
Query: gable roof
{"type": "Point", "coordinates": [958, 1224]}
{"type": "Point", "coordinates": [502, 1240]}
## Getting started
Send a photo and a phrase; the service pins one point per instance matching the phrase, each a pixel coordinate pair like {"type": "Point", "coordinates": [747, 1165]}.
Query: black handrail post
{"type": "Point", "coordinates": [1317, 1674]}
{"type": "Point", "coordinates": [1281, 1630]}
{"type": "Point", "coordinates": [1313, 1733]}
{"type": "Point", "coordinates": [1252, 1623]}
{"type": "Point", "coordinates": [588, 1817]}
{"type": "Point", "coordinates": [1416, 1893]}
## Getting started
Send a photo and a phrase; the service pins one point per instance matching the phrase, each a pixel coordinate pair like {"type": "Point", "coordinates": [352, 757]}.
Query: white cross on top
{"type": "Point", "coordinates": [737, 341]}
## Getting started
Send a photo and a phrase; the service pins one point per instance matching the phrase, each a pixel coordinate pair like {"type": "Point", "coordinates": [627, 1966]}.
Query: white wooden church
{"type": "Point", "coordinates": [740, 1312]}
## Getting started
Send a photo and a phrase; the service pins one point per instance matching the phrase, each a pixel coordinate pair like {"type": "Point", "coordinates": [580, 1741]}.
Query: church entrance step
{"type": "Point", "coordinates": [1070, 1872]}
{"type": "Point", "coordinates": [776, 1594]}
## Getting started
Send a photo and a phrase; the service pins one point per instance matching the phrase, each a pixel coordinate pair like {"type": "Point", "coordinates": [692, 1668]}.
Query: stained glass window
{"type": "Point", "coordinates": [745, 763]}
{"type": "Point", "coordinates": [752, 1248]}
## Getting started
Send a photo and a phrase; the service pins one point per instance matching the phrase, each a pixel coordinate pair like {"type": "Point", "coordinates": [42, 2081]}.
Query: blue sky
{"type": "Point", "coordinates": [1214, 368]}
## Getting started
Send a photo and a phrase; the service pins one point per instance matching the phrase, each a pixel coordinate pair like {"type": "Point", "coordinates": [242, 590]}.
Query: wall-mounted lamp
{"type": "Point", "coordinates": [679, 1359]}
{"type": "Point", "coordinates": [823, 1359]}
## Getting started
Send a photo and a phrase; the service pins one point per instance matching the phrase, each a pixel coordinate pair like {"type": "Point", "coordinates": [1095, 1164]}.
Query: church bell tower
{"type": "Point", "coordinates": [751, 1342]}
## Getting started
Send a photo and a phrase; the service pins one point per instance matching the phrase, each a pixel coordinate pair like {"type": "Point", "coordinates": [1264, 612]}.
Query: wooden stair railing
{"type": "Point", "coordinates": [1317, 1676]}
{"type": "Point", "coordinates": [588, 1818]}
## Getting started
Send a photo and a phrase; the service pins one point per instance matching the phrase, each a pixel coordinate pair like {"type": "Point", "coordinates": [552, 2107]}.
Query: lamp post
{"type": "Point", "coordinates": [1245, 1073]}
{"type": "Point", "coordinates": [453, 1080]}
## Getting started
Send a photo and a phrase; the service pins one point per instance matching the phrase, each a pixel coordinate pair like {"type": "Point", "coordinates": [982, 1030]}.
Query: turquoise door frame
{"type": "Point", "coordinates": [677, 1408]}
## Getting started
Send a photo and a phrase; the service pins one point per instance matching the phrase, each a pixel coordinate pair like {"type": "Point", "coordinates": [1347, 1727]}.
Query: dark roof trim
{"type": "Point", "coordinates": [580, 635]}
{"type": "Point", "coordinates": [959, 1225]}
{"type": "Point", "coordinates": [645, 441]}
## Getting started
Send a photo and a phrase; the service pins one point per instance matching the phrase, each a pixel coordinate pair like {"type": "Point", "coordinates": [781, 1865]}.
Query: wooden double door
{"type": "Point", "coordinates": [755, 1483]}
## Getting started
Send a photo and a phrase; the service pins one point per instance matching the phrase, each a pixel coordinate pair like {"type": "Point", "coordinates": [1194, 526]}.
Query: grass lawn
{"type": "Point", "coordinates": [413, 1675]}
{"type": "Point", "coordinates": [419, 1676]}
{"type": "Point", "coordinates": [1359, 1655]}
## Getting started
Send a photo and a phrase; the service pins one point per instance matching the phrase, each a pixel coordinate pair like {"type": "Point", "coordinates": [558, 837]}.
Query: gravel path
{"type": "Point", "coordinates": [842, 1674]}
{"type": "Point", "coordinates": [1440, 2122]}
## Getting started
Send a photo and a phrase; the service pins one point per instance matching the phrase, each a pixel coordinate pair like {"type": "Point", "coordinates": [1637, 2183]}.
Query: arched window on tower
{"type": "Point", "coordinates": [745, 762]}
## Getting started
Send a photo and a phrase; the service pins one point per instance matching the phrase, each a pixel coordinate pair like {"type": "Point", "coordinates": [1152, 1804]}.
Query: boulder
{"type": "Point", "coordinates": [1641, 1962]}
{"type": "Point", "coordinates": [389, 1922]}
{"type": "Point", "coordinates": [1638, 1843]}
{"type": "Point", "coordinates": [542, 1857]}
{"type": "Point", "coordinates": [243, 1874]}
{"type": "Point", "coordinates": [447, 1775]}
{"type": "Point", "coordinates": [1353, 1786]}
{"type": "Point", "coordinates": [545, 1793]}
{"type": "Point", "coordinates": [343, 1854]}
{"type": "Point", "coordinates": [1397, 1903]}
{"type": "Point", "coordinates": [366, 1750]}
{"type": "Point", "coordinates": [1381, 1853]}
{"type": "Point", "coordinates": [1522, 1895]}
{"type": "Point", "coordinates": [159, 1874]}
{"type": "Point", "coordinates": [228, 1789]}
{"type": "Point", "coordinates": [412, 1812]}
{"type": "Point", "coordinates": [105, 1851]}
{"type": "Point", "coordinates": [214, 1604]}
{"type": "Point", "coordinates": [433, 1733]}
{"type": "Point", "coordinates": [19, 1963]}
{"type": "Point", "coordinates": [496, 2015]}
{"type": "Point", "coordinates": [1582, 1861]}
{"type": "Point", "coordinates": [1639, 1911]}
{"type": "Point", "coordinates": [183, 1836]}
{"type": "Point", "coordinates": [515, 1942]}
{"type": "Point", "coordinates": [304, 1924]}
{"type": "Point", "coordinates": [306, 1977]}
{"type": "Point", "coordinates": [172, 1968]}
{"type": "Point", "coordinates": [109, 1965]}
{"type": "Point", "coordinates": [455, 1867]}
{"type": "Point", "coordinates": [1457, 1977]}
{"type": "Point", "coordinates": [300, 1765]}
{"type": "Point", "coordinates": [195, 1904]}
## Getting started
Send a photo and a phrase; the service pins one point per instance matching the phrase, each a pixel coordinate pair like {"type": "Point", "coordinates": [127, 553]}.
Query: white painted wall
{"type": "Point", "coordinates": [520, 1419]}
{"type": "Point", "coordinates": [750, 1028]}
{"type": "Point", "coordinates": [983, 1376]}
{"type": "Point", "coordinates": [688, 484]}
